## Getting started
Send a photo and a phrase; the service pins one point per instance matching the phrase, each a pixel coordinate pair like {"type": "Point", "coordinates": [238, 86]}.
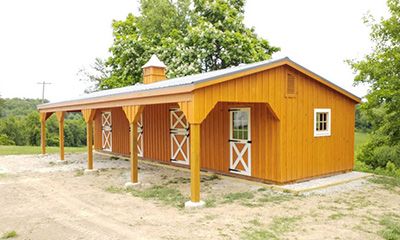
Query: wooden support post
{"type": "Point", "coordinates": [43, 117]}
{"type": "Point", "coordinates": [89, 142]}
{"type": "Point", "coordinates": [43, 136]}
{"type": "Point", "coordinates": [132, 113]}
{"type": "Point", "coordinates": [60, 118]}
{"type": "Point", "coordinates": [195, 162]}
{"type": "Point", "coordinates": [88, 115]}
{"type": "Point", "coordinates": [134, 152]}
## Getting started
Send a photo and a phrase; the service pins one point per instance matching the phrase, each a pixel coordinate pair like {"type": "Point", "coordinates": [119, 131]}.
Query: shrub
{"type": "Point", "coordinates": [377, 153]}
{"type": "Point", "coordinates": [5, 140]}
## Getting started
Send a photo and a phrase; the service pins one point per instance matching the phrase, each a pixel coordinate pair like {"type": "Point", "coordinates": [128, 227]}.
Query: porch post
{"type": "Point", "coordinates": [89, 140]}
{"type": "Point", "coordinates": [195, 119]}
{"type": "Point", "coordinates": [43, 118]}
{"type": "Point", "coordinates": [88, 115]}
{"type": "Point", "coordinates": [60, 118]}
{"type": "Point", "coordinates": [134, 152]}
{"type": "Point", "coordinates": [195, 163]}
{"type": "Point", "coordinates": [132, 113]}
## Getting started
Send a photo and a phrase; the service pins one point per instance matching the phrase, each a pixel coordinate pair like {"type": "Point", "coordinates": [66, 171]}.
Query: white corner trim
{"type": "Point", "coordinates": [328, 131]}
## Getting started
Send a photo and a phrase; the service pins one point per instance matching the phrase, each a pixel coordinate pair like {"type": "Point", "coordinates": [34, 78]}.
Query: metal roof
{"type": "Point", "coordinates": [186, 80]}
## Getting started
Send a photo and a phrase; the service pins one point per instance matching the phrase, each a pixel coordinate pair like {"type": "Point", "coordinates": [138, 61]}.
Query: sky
{"type": "Point", "coordinates": [47, 40]}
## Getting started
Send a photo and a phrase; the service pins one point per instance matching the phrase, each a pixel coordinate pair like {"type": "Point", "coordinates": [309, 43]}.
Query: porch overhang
{"type": "Point", "coordinates": [159, 96]}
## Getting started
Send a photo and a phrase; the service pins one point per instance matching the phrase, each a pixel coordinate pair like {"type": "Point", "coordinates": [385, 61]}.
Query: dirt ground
{"type": "Point", "coordinates": [41, 199]}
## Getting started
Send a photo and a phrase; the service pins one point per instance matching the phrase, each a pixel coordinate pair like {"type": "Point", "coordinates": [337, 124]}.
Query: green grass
{"type": "Point", "coordinates": [391, 230]}
{"type": "Point", "coordinates": [165, 195]}
{"type": "Point", "coordinates": [360, 138]}
{"type": "Point", "coordinates": [279, 226]}
{"type": "Point", "coordinates": [16, 150]}
{"type": "Point", "coordinates": [258, 234]}
{"type": "Point", "coordinates": [387, 182]}
{"type": "Point", "coordinates": [232, 197]}
{"type": "Point", "coordinates": [10, 234]}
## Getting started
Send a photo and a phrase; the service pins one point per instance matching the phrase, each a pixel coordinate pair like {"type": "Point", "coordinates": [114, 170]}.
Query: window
{"type": "Point", "coordinates": [290, 85]}
{"type": "Point", "coordinates": [322, 122]}
{"type": "Point", "coordinates": [240, 124]}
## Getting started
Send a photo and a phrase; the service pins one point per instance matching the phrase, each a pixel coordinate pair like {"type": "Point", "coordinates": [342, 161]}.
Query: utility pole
{"type": "Point", "coordinates": [43, 84]}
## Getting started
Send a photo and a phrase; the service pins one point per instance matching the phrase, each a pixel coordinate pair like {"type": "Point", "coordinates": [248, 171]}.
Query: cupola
{"type": "Point", "coordinates": [153, 70]}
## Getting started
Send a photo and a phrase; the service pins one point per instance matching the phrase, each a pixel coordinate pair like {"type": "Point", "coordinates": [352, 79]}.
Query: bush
{"type": "Point", "coordinates": [5, 140]}
{"type": "Point", "coordinates": [377, 152]}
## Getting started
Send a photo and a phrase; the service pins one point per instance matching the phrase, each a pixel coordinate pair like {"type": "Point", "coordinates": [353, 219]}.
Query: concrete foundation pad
{"type": "Point", "coordinates": [131, 185]}
{"type": "Point", "coordinates": [323, 182]}
{"type": "Point", "coordinates": [60, 162]}
{"type": "Point", "coordinates": [90, 171]}
{"type": "Point", "coordinates": [191, 205]}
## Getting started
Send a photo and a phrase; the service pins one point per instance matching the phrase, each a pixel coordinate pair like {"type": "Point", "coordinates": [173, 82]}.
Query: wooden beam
{"type": "Point", "coordinates": [132, 113]}
{"type": "Point", "coordinates": [43, 136]}
{"type": "Point", "coordinates": [88, 115]}
{"type": "Point", "coordinates": [43, 117]}
{"type": "Point", "coordinates": [195, 162]}
{"type": "Point", "coordinates": [89, 143]}
{"type": "Point", "coordinates": [60, 118]}
{"type": "Point", "coordinates": [134, 152]}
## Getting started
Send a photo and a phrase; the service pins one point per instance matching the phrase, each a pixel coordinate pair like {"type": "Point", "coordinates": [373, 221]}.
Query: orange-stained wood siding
{"type": "Point", "coordinates": [300, 154]}
{"type": "Point", "coordinates": [156, 139]}
{"type": "Point", "coordinates": [215, 135]}
{"type": "Point", "coordinates": [120, 131]}
{"type": "Point", "coordinates": [283, 147]}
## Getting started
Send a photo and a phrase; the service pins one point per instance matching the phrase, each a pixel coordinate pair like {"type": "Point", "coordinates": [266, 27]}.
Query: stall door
{"type": "Point", "coordinates": [140, 136]}
{"type": "Point", "coordinates": [240, 141]}
{"type": "Point", "coordinates": [179, 131]}
{"type": "Point", "coordinates": [106, 129]}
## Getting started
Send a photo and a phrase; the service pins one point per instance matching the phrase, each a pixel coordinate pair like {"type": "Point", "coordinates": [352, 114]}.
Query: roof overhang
{"type": "Point", "coordinates": [182, 92]}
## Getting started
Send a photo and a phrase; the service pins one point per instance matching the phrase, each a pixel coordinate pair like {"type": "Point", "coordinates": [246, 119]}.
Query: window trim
{"type": "Point", "coordinates": [244, 109]}
{"type": "Point", "coordinates": [326, 132]}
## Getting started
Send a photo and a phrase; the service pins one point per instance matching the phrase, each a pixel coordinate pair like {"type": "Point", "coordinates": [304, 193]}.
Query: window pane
{"type": "Point", "coordinates": [245, 135]}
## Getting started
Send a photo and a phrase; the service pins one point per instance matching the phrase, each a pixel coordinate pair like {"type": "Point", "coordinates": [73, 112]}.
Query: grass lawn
{"type": "Point", "coordinates": [360, 139]}
{"type": "Point", "coordinates": [14, 150]}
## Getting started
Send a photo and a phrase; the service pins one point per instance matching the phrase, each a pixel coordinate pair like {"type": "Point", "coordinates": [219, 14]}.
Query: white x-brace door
{"type": "Point", "coordinates": [106, 131]}
{"type": "Point", "coordinates": [240, 141]}
{"type": "Point", "coordinates": [179, 131]}
{"type": "Point", "coordinates": [140, 136]}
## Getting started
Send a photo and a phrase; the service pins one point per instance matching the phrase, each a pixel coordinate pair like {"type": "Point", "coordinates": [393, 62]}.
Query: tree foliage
{"type": "Point", "coordinates": [381, 71]}
{"type": "Point", "coordinates": [20, 125]}
{"type": "Point", "coordinates": [190, 36]}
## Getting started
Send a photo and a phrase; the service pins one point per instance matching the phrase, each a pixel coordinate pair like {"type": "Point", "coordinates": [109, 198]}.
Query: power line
{"type": "Point", "coordinates": [43, 84]}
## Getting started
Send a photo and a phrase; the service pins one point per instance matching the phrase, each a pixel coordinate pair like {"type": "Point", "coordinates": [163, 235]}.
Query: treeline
{"type": "Point", "coordinates": [20, 125]}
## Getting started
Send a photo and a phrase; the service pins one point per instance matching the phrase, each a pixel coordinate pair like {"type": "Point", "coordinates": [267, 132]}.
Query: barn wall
{"type": "Point", "coordinates": [300, 154]}
{"type": "Point", "coordinates": [120, 131]}
{"type": "Point", "coordinates": [215, 135]}
{"type": "Point", "coordinates": [156, 139]}
{"type": "Point", "coordinates": [304, 155]}
{"type": "Point", "coordinates": [284, 148]}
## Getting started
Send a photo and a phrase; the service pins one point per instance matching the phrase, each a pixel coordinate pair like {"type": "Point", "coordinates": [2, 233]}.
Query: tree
{"type": "Point", "coordinates": [190, 36]}
{"type": "Point", "coordinates": [381, 71]}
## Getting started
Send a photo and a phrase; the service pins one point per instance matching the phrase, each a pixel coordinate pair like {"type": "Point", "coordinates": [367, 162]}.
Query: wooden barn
{"type": "Point", "coordinates": [272, 121]}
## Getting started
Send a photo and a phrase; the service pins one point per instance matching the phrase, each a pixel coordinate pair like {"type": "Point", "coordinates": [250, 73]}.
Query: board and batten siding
{"type": "Point", "coordinates": [284, 148]}
{"type": "Point", "coordinates": [300, 154]}
{"type": "Point", "coordinates": [120, 131]}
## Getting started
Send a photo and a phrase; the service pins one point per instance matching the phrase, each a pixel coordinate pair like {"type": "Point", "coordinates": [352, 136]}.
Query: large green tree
{"type": "Point", "coordinates": [381, 71]}
{"type": "Point", "coordinates": [190, 36]}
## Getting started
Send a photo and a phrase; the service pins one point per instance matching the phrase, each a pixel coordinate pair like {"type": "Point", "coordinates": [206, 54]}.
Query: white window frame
{"type": "Point", "coordinates": [248, 123]}
{"type": "Point", "coordinates": [326, 132]}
